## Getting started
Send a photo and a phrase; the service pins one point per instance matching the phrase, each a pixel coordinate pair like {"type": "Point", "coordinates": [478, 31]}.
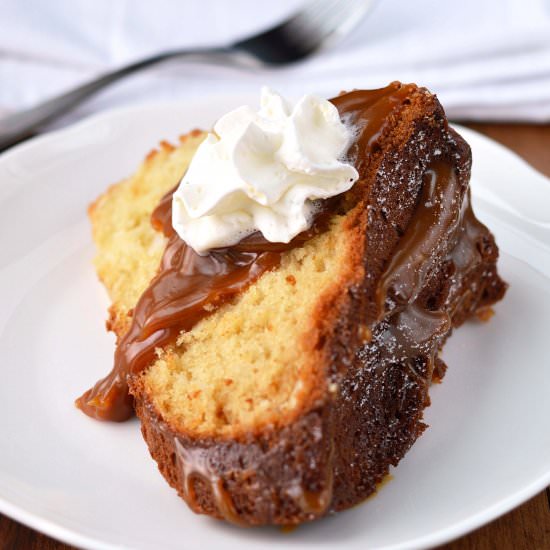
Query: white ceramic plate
{"type": "Point", "coordinates": [94, 485]}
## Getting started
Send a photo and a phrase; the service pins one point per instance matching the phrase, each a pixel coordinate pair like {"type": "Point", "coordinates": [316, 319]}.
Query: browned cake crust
{"type": "Point", "coordinates": [374, 374]}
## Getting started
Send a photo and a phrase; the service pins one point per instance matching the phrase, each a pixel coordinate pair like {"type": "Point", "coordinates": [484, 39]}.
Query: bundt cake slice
{"type": "Point", "coordinates": [282, 387]}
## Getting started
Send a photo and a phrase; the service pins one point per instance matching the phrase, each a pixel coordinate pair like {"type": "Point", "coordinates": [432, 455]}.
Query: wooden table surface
{"type": "Point", "coordinates": [525, 528]}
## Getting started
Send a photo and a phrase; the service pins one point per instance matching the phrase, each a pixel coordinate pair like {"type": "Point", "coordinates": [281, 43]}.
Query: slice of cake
{"type": "Point", "coordinates": [278, 381]}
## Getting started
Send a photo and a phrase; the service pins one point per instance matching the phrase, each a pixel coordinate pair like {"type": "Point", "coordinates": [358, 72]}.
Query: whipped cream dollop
{"type": "Point", "coordinates": [263, 171]}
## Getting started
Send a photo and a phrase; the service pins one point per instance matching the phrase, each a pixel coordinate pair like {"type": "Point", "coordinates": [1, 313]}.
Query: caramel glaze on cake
{"type": "Point", "coordinates": [185, 290]}
{"type": "Point", "coordinates": [421, 264]}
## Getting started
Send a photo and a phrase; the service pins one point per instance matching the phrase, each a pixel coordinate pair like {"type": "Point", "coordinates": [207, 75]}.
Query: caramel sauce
{"type": "Point", "coordinates": [368, 112]}
{"type": "Point", "coordinates": [411, 328]}
{"type": "Point", "coordinates": [188, 287]}
{"type": "Point", "coordinates": [439, 232]}
{"type": "Point", "coordinates": [485, 314]}
{"type": "Point", "coordinates": [426, 237]}
{"type": "Point", "coordinates": [194, 466]}
{"type": "Point", "coordinates": [314, 503]}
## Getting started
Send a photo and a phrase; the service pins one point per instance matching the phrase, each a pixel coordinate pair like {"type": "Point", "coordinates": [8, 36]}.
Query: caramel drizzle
{"type": "Point", "coordinates": [194, 466]}
{"type": "Point", "coordinates": [187, 288]}
{"type": "Point", "coordinates": [426, 237]}
{"type": "Point", "coordinates": [314, 503]}
{"type": "Point", "coordinates": [369, 113]}
{"type": "Point", "coordinates": [440, 231]}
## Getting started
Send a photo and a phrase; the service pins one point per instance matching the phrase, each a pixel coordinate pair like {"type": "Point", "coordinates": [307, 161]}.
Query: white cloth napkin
{"type": "Point", "coordinates": [486, 59]}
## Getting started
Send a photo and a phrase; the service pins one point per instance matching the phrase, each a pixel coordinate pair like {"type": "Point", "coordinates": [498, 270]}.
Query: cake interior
{"type": "Point", "coordinates": [250, 362]}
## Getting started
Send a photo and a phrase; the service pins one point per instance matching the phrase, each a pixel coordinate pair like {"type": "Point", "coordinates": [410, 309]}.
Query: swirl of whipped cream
{"type": "Point", "coordinates": [263, 171]}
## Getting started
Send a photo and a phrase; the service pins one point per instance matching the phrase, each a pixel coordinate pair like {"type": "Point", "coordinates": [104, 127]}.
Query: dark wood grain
{"type": "Point", "coordinates": [14, 536]}
{"type": "Point", "coordinates": [526, 527]}
{"type": "Point", "coordinates": [532, 142]}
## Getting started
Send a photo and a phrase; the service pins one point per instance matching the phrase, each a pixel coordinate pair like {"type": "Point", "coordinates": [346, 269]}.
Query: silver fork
{"type": "Point", "coordinates": [317, 25]}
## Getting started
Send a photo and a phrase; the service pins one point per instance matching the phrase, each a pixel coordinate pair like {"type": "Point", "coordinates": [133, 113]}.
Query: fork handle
{"type": "Point", "coordinates": [21, 125]}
